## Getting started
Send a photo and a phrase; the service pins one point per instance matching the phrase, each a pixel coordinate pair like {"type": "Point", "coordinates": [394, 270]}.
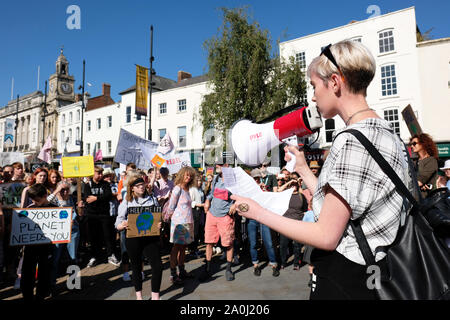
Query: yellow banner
{"type": "Point", "coordinates": [141, 90]}
{"type": "Point", "coordinates": [76, 167]}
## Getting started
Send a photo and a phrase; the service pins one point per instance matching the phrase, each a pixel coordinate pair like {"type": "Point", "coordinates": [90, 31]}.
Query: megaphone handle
{"type": "Point", "coordinates": [291, 164]}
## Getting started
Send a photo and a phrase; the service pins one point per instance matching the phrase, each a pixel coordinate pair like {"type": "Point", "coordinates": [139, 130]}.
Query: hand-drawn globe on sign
{"type": "Point", "coordinates": [23, 214]}
{"type": "Point", "coordinates": [63, 214]}
{"type": "Point", "coordinates": [144, 222]}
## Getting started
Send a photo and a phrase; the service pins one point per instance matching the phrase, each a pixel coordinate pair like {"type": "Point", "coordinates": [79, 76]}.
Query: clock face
{"type": "Point", "coordinates": [66, 88]}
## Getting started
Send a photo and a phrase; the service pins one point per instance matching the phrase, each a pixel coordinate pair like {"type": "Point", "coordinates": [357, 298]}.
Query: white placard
{"type": "Point", "coordinates": [246, 186]}
{"type": "Point", "coordinates": [41, 225]}
{"type": "Point", "coordinates": [11, 157]}
{"type": "Point", "coordinates": [129, 150]}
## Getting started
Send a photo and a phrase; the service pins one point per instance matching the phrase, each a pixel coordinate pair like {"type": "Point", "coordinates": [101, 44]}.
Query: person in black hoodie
{"type": "Point", "coordinates": [96, 196]}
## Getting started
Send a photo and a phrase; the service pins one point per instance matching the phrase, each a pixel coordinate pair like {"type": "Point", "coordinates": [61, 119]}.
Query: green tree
{"type": "Point", "coordinates": [246, 81]}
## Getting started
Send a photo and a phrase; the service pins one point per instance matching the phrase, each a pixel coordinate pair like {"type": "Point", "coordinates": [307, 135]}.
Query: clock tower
{"type": "Point", "coordinates": [61, 92]}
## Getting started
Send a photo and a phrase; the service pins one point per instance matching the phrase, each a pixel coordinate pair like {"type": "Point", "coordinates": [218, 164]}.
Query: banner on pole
{"type": "Point", "coordinates": [8, 139]}
{"type": "Point", "coordinates": [141, 90]}
{"type": "Point", "coordinates": [77, 167]}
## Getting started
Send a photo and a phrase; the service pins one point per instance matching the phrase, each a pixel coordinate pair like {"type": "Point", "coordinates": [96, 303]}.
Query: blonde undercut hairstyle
{"type": "Point", "coordinates": [356, 62]}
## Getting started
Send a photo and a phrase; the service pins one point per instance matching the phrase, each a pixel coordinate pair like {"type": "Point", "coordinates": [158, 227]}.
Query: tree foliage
{"type": "Point", "coordinates": [246, 81]}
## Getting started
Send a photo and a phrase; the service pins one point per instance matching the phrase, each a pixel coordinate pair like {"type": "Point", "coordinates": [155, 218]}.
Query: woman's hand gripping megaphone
{"type": "Point", "coordinates": [295, 158]}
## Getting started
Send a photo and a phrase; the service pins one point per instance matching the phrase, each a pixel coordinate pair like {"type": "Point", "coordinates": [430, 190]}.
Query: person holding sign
{"type": "Point", "coordinates": [182, 222]}
{"type": "Point", "coordinates": [138, 214]}
{"type": "Point", "coordinates": [37, 254]}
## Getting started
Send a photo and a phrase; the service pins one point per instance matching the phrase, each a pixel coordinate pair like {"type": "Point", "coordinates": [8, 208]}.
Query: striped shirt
{"type": "Point", "coordinates": [356, 177]}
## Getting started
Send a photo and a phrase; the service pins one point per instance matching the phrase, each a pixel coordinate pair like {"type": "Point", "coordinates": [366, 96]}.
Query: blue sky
{"type": "Point", "coordinates": [115, 35]}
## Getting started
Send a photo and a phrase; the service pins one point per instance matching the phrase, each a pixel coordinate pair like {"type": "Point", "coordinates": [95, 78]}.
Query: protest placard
{"type": "Point", "coordinates": [41, 225]}
{"type": "Point", "coordinates": [176, 161]}
{"type": "Point", "coordinates": [10, 157]}
{"type": "Point", "coordinates": [158, 162]}
{"type": "Point", "coordinates": [75, 167]}
{"type": "Point", "coordinates": [11, 193]}
{"type": "Point", "coordinates": [143, 221]}
{"type": "Point", "coordinates": [129, 149]}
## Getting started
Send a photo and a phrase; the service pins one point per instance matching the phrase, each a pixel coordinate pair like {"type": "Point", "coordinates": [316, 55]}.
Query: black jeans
{"type": "Point", "coordinates": [100, 227]}
{"type": "Point", "coordinates": [150, 247]}
{"type": "Point", "coordinates": [284, 244]}
{"type": "Point", "coordinates": [36, 255]}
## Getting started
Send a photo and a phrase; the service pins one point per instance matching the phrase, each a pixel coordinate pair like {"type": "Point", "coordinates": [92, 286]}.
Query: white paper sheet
{"type": "Point", "coordinates": [238, 182]}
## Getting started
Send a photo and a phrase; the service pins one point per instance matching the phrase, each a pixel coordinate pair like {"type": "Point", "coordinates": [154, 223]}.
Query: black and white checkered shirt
{"type": "Point", "coordinates": [353, 173]}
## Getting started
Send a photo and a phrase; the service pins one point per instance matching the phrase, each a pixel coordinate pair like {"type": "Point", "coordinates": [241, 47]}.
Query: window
{"type": "Point", "coordinates": [89, 125]}
{"type": "Point", "coordinates": [162, 108]}
{"type": "Point", "coordinates": [300, 59]}
{"type": "Point", "coordinates": [109, 145]}
{"type": "Point", "coordinates": [386, 41]}
{"type": "Point", "coordinates": [181, 136]}
{"type": "Point", "coordinates": [70, 118]}
{"type": "Point", "coordinates": [97, 146]}
{"type": "Point", "coordinates": [99, 123]}
{"type": "Point", "coordinates": [109, 121]}
{"type": "Point", "coordinates": [391, 116]}
{"type": "Point", "coordinates": [78, 115]}
{"type": "Point", "coordinates": [128, 115]}
{"type": "Point", "coordinates": [162, 133]}
{"type": "Point", "coordinates": [63, 134]}
{"type": "Point", "coordinates": [77, 133]}
{"type": "Point", "coordinates": [182, 105]}
{"type": "Point", "coordinates": [388, 80]}
{"type": "Point", "coordinates": [88, 148]}
{"type": "Point", "coordinates": [138, 117]}
{"type": "Point", "coordinates": [63, 120]}
{"type": "Point", "coordinates": [329, 130]}
{"type": "Point", "coordinates": [70, 136]}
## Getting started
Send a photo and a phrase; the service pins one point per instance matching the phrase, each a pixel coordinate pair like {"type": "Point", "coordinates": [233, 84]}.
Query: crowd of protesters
{"type": "Point", "coordinates": [196, 209]}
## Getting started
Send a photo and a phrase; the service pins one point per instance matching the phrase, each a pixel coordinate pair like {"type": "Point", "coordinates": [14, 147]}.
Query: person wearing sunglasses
{"type": "Point", "coordinates": [427, 165]}
{"type": "Point", "coordinates": [61, 197]}
{"type": "Point", "coordinates": [350, 184]}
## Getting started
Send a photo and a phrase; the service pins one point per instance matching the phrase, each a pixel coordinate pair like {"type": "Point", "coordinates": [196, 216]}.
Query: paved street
{"type": "Point", "coordinates": [104, 282]}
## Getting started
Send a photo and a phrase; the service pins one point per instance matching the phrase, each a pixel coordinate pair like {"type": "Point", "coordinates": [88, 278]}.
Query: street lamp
{"type": "Point", "coordinates": [17, 123]}
{"type": "Point", "coordinates": [152, 72]}
{"type": "Point", "coordinates": [82, 110]}
{"type": "Point", "coordinates": [44, 114]}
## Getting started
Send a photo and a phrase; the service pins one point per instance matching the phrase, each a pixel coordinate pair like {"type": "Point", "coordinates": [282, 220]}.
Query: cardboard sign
{"type": "Point", "coordinates": [411, 120]}
{"type": "Point", "coordinates": [143, 221]}
{"type": "Point", "coordinates": [76, 167]}
{"type": "Point", "coordinates": [40, 226]}
{"type": "Point", "coordinates": [11, 193]}
{"type": "Point", "coordinates": [158, 161]}
{"type": "Point", "coordinates": [210, 170]}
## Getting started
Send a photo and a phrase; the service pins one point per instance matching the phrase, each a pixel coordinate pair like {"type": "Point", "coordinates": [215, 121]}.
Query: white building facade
{"type": "Point", "coordinates": [392, 40]}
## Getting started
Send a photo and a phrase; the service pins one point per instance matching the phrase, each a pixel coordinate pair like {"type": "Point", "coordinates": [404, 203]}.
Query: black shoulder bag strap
{"type": "Point", "coordinates": [387, 169]}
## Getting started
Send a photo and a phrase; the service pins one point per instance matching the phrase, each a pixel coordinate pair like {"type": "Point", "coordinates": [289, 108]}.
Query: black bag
{"type": "Point", "coordinates": [417, 263]}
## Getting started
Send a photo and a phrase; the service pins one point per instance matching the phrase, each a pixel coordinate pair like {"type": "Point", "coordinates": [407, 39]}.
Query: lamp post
{"type": "Point", "coordinates": [152, 72]}
{"type": "Point", "coordinates": [44, 114]}
{"type": "Point", "coordinates": [82, 110]}
{"type": "Point", "coordinates": [17, 123]}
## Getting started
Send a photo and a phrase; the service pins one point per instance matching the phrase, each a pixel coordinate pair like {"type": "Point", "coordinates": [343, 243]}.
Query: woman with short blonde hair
{"type": "Point", "coordinates": [350, 186]}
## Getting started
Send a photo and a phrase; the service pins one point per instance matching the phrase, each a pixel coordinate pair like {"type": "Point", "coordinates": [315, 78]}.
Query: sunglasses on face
{"type": "Point", "coordinates": [327, 53]}
{"type": "Point", "coordinates": [414, 143]}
